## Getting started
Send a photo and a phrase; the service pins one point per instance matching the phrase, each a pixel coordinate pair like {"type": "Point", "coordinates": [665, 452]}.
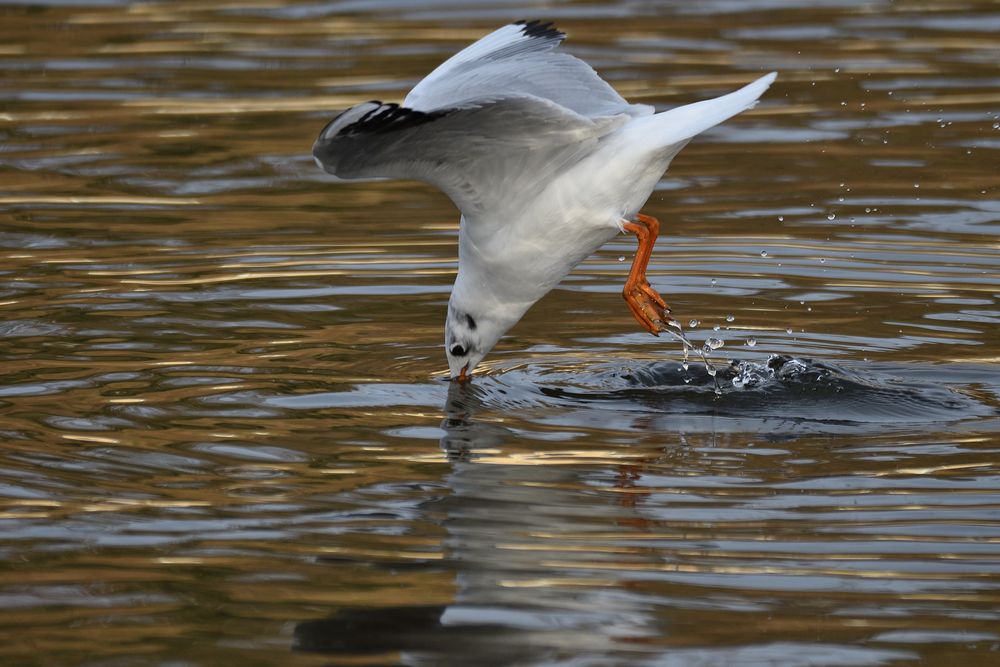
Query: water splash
{"type": "Point", "coordinates": [674, 328]}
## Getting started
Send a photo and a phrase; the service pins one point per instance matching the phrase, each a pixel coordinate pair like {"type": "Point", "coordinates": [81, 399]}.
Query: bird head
{"type": "Point", "coordinates": [468, 338]}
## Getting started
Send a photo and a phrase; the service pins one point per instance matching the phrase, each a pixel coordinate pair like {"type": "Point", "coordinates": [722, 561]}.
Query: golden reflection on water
{"type": "Point", "coordinates": [224, 422]}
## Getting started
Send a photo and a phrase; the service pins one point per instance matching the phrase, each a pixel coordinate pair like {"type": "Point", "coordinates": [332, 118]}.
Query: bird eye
{"type": "Point", "coordinates": [457, 351]}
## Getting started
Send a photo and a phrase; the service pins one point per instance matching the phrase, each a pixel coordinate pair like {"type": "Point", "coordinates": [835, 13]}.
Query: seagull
{"type": "Point", "coordinates": [545, 161]}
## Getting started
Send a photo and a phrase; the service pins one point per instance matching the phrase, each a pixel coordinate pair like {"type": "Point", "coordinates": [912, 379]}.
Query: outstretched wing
{"type": "Point", "coordinates": [520, 59]}
{"type": "Point", "coordinates": [486, 155]}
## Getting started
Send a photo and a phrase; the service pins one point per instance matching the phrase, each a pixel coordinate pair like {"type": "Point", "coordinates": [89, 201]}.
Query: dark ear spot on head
{"type": "Point", "coordinates": [457, 350]}
{"type": "Point", "coordinates": [471, 322]}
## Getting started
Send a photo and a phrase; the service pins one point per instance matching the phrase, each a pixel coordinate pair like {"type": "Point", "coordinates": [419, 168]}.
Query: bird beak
{"type": "Point", "coordinates": [463, 376]}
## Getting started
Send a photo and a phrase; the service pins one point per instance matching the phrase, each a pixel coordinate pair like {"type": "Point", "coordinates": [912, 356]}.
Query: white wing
{"type": "Point", "coordinates": [487, 155]}
{"type": "Point", "coordinates": [519, 59]}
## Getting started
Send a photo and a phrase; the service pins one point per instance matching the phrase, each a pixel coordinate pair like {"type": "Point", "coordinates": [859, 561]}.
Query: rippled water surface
{"type": "Point", "coordinates": [226, 433]}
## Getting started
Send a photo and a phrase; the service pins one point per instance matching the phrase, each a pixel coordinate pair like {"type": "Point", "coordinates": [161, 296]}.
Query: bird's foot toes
{"type": "Point", "coordinates": [653, 295]}
{"type": "Point", "coordinates": [649, 310]}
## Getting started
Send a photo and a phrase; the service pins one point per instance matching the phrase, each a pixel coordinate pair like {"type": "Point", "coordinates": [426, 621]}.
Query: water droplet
{"type": "Point", "coordinates": [916, 185]}
{"type": "Point", "coordinates": [693, 323]}
{"type": "Point", "coordinates": [685, 365]}
{"type": "Point", "coordinates": [822, 260]}
{"type": "Point", "coordinates": [713, 282]}
{"type": "Point", "coordinates": [712, 372]}
{"type": "Point", "coordinates": [788, 330]}
{"type": "Point", "coordinates": [714, 343]}
{"type": "Point", "coordinates": [716, 327]}
{"type": "Point", "coordinates": [840, 199]}
{"type": "Point", "coordinates": [621, 258]}
{"type": "Point", "coordinates": [751, 342]}
{"type": "Point", "coordinates": [763, 253]}
{"type": "Point", "coordinates": [730, 318]}
{"type": "Point", "coordinates": [781, 218]}
{"type": "Point", "coordinates": [867, 209]}
{"type": "Point", "coordinates": [836, 69]}
{"type": "Point", "coordinates": [832, 216]}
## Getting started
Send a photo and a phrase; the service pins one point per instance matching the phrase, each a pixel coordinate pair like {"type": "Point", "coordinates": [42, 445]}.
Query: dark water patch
{"type": "Point", "coordinates": [782, 393]}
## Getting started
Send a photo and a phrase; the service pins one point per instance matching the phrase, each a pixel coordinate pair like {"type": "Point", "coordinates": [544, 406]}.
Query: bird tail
{"type": "Point", "coordinates": [680, 124]}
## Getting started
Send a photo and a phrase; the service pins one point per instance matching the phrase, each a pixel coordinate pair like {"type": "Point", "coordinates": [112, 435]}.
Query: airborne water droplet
{"type": "Point", "coordinates": [621, 258]}
{"type": "Point", "coordinates": [751, 342]}
{"type": "Point", "coordinates": [832, 216]}
{"type": "Point", "coordinates": [693, 323]}
{"type": "Point", "coordinates": [714, 343]}
{"type": "Point", "coordinates": [763, 253]}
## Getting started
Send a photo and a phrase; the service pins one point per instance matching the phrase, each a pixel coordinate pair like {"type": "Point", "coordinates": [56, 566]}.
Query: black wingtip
{"type": "Point", "coordinates": [538, 29]}
{"type": "Point", "coordinates": [389, 118]}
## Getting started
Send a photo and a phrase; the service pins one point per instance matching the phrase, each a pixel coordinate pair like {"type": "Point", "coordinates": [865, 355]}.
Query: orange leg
{"type": "Point", "coordinates": [646, 304]}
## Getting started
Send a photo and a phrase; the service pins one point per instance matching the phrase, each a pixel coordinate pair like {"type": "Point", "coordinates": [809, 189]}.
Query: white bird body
{"type": "Point", "coordinates": [544, 159]}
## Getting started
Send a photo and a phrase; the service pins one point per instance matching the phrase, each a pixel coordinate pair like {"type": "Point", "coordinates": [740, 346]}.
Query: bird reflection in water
{"type": "Point", "coordinates": [516, 540]}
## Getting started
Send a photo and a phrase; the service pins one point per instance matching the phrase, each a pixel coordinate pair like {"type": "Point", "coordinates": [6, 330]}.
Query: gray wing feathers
{"type": "Point", "coordinates": [481, 155]}
{"type": "Point", "coordinates": [518, 59]}
{"type": "Point", "coordinates": [509, 41]}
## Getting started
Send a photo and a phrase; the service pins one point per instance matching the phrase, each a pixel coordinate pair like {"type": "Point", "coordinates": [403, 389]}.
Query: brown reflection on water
{"type": "Point", "coordinates": [225, 433]}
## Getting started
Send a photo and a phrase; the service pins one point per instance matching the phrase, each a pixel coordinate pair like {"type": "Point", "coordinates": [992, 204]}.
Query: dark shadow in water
{"type": "Point", "coordinates": [784, 394]}
{"type": "Point", "coordinates": [415, 631]}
